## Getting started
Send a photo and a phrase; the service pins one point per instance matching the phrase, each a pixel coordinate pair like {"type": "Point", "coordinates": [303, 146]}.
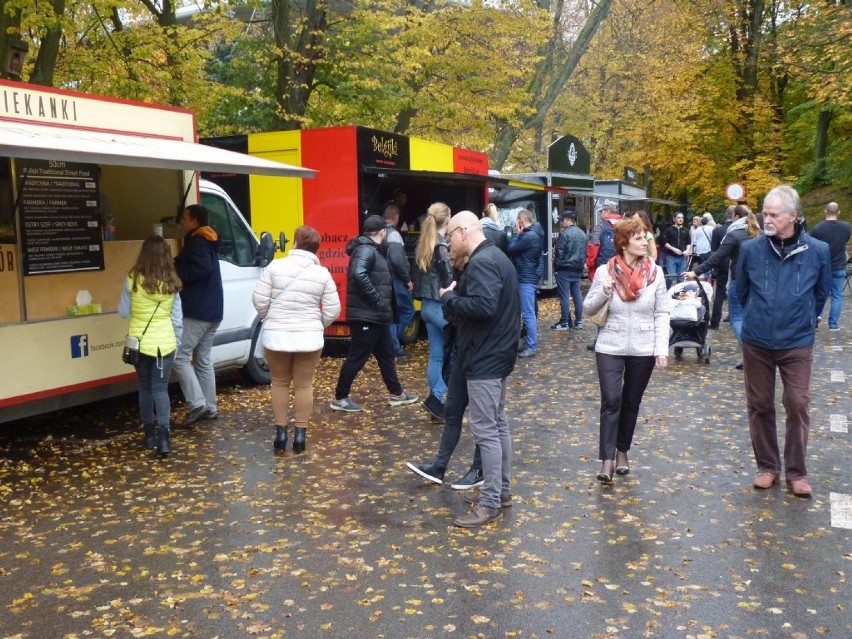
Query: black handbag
{"type": "Point", "coordinates": [130, 354]}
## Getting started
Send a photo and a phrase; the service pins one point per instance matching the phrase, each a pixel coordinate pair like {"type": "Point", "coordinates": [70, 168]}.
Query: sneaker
{"type": "Point", "coordinates": [194, 415]}
{"type": "Point", "coordinates": [799, 487]}
{"type": "Point", "coordinates": [430, 473]}
{"type": "Point", "coordinates": [402, 400]}
{"type": "Point", "coordinates": [346, 405]}
{"type": "Point", "coordinates": [505, 500]}
{"type": "Point", "coordinates": [402, 354]}
{"type": "Point", "coordinates": [560, 326]}
{"type": "Point", "coordinates": [578, 325]}
{"type": "Point", "coordinates": [527, 352]}
{"type": "Point", "coordinates": [472, 479]}
{"type": "Point", "coordinates": [435, 407]}
{"type": "Point", "coordinates": [834, 328]}
{"type": "Point", "coordinates": [478, 516]}
{"type": "Point", "coordinates": [210, 415]}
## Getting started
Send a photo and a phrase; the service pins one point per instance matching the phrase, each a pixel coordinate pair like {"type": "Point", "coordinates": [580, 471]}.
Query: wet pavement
{"type": "Point", "coordinates": [99, 538]}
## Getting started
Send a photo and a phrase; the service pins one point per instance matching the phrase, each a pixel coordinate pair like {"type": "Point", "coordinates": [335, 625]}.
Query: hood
{"type": "Point", "coordinates": [612, 218]}
{"type": "Point", "coordinates": [737, 224]}
{"type": "Point", "coordinates": [207, 233]}
{"type": "Point", "coordinates": [487, 222]}
{"type": "Point", "coordinates": [360, 240]}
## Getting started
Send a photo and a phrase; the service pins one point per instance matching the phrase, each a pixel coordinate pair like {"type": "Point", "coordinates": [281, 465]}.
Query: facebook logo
{"type": "Point", "coordinates": [79, 346]}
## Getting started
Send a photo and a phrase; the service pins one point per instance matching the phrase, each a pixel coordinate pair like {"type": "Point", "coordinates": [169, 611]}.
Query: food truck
{"type": "Point", "coordinates": [359, 171]}
{"type": "Point", "coordinates": [83, 181]}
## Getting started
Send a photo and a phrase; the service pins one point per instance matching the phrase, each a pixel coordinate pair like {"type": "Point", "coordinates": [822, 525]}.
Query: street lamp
{"type": "Point", "coordinates": [15, 56]}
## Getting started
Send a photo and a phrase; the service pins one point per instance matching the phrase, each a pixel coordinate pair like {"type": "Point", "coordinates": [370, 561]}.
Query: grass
{"type": "Point", "coordinates": [814, 203]}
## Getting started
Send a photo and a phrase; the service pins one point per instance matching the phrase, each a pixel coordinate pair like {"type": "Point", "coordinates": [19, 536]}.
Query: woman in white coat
{"type": "Point", "coordinates": [297, 300]}
{"type": "Point", "coordinates": [633, 341]}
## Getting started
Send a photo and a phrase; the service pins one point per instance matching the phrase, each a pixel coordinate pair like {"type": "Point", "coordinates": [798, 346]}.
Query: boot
{"type": "Point", "coordinates": [280, 442]}
{"type": "Point", "coordinates": [163, 446]}
{"type": "Point", "coordinates": [299, 439]}
{"type": "Point", "coordinates": [150, 441]}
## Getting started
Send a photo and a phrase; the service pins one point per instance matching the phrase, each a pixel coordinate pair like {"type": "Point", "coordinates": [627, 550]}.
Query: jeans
{"type": "Point", "coordinates": [457, 401]}
{"type": "Point", "coordinates": [153, 374]}
{"type": "Point", "coordinates": [198, 382]}
{"type": "Point", "coordinates": [794, 365]}
{"type": "Point", "coordinates": [675, 265]}
{"type": "Point", "coordinates": [568, 285]}
{"type": "Point", "coordinates": [735, 311]}
{"type": "Point", "coordinates": [432, 313]}
{"type": "Point", "coordinates": [405, 312]}
{"type": "Point", "coordinates": [368, 339]}
{"type": "Point", "coordinates": [491, 432]}
{"type": "Point", "coordinates": [838, 281]}
{"type": "Point", "coordinates": [527, 297]}
{"type": "Point", "coordinates": [623, 380]}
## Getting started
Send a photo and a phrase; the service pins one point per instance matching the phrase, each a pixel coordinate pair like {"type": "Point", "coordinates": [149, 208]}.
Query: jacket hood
{"type": "Point", "coordinates": [487, 222]}
{"type": "Point", "coordinates": [612, 218]}
{"type": "Point", "coordinates": [207, 233]}
{"type": "Point", "coordinates": [360, 240]}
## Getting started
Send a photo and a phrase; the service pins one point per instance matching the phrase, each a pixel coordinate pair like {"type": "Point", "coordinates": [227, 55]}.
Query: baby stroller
{"type": "Point", "coordinates": [690, 317]}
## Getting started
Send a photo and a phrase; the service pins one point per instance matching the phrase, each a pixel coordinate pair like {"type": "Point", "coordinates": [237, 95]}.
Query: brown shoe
{"type": "Point", "coordinates": [478, 516]}
{"type": "Point", "coordinates": [765, 480]}
{"type": "Point", "coordinates": [799, 487]}
{"type": "Point", "coordinates": [505, 500]}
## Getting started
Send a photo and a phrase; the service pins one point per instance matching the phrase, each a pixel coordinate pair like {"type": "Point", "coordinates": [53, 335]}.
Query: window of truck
{"type": "Point", "coordinates": [236, 243]}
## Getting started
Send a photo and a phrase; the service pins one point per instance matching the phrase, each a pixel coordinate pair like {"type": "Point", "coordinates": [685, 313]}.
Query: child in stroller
{"type": "Point", "coordinates": [690, 317]}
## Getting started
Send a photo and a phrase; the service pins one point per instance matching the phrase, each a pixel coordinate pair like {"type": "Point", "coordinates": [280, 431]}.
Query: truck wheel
{"type": "Point", "coordinates": [256, 369]}
{"type": "Point", "coordinates": [412, 331]}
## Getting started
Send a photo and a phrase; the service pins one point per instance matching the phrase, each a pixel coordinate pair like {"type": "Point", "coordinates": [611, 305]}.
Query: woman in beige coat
{"type": "Point", "coordinates": [633, 341]}
{"type": "Point", "coordinates": [297, 300]}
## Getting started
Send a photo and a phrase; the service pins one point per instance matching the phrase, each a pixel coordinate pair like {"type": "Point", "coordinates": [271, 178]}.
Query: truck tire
{"type": "Point", "coordinates": [412, 331]}
{"type": "Point", "coordinates": [256, 369]}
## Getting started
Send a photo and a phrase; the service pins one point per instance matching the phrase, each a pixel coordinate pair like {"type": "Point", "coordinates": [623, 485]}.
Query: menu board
{"type": "Point", "coordinates": [59, 215]}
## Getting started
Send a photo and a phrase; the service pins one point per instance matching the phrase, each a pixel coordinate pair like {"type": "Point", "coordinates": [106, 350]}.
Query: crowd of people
{"type": "Point", "coordinates": [477, 290]}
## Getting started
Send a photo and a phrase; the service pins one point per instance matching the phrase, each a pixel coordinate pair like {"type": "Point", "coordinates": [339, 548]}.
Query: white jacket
{"type": "Point", "coordinates": [640, 327]}
{"type": "Point", "coordinates": [294, 319]}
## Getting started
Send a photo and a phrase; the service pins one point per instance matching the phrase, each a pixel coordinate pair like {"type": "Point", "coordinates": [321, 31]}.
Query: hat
{"type": "Point", "coordinates": [373, 224]}
{"type": "Point", "coordinates": [612, 205]}
{"type": "Point", "coordinates": [568, 215]}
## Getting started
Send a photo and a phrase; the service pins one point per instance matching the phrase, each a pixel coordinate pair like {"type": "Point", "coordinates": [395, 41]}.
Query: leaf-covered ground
{"type": "Point", "coordinates": [99, 538]}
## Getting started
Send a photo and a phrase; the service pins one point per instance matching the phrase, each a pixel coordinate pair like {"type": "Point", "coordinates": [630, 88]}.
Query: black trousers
{"type": "Point", "coordinates": [367, 340]}
{"type": "Point", "coordinates": [454, 407]}
{"type": "Point", "coordinates": [719, 297]}
{"type": "Point", "coordinates": [623, 380]}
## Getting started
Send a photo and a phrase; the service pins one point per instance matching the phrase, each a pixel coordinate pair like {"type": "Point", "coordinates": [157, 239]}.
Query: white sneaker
{"type": "Point", "coordinates": [402, 400]}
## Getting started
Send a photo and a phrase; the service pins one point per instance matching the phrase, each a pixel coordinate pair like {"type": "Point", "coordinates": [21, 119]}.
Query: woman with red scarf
{"type": "Point", "coordinates": [633, 341]}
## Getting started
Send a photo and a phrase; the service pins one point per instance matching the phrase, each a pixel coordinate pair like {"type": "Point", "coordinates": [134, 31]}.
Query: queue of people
{"type": "Point", "coordinates": [474, 300]}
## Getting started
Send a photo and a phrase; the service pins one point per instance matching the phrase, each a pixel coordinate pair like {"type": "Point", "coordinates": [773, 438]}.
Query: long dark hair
{"type": "Point", "coordinates": [156, 268]}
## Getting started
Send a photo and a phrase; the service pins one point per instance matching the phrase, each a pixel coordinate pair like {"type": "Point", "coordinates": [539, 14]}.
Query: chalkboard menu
{"type": "Point", "coordinates": [60, 220]}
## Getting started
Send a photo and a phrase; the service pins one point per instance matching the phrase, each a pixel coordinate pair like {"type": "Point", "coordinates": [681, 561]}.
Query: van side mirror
{"type": "Point", "coordinates": [282, 241]}
{"type": "Point", "coordinates": [266, 249]}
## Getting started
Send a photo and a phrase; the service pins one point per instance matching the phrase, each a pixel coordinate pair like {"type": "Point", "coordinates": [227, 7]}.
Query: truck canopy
{"type": "Point", "coordinates": [67, 144]}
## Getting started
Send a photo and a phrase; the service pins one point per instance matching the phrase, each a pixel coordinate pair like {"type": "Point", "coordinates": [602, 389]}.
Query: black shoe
{"type": "Point", "coordinates": [739, 366]}
{"type": "Point", "coordinates": [622, 465]}
{"type": "Point", "coordinates": [210, 415]}
{"type": "Point", "coordinates": [472, 478]}
{"type": "Point", "coordinates": [150, 441]}
{"type": "Point", "coordinates": [431, 472]}
{"type": "Point", "coordinates": [561, 325]}
{"type": "Point", "coordinates": [299, 439]}
{"type": "Point", "coordinates": [163, 441]}
{"type": "Point", "coordinates": [435, 407]}
{"type": "Point", "coordinates": [280, 442]}
{"type": "Point", "coordinates": [194, 415]}
{"type": "Point", "coordinates": [605, 476]}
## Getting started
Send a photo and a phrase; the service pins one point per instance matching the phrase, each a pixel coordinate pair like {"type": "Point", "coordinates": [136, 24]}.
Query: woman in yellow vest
{"type": "Point", "coordinates": [149, 298]}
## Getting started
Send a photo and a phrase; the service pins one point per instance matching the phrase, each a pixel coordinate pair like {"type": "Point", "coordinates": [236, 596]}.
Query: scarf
{"type": "Point", "coordinates": [629, 282]}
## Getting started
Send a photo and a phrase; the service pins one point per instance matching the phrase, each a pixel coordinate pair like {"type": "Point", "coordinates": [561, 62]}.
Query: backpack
{"type": "Point", "coordinates": [607, 245]}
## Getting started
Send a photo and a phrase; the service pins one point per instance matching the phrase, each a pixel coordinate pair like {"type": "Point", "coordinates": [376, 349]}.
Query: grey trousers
{"type": "Point", "coordinates": [198, 382]}
{"type": "Point", "coordinates": [490, 430]}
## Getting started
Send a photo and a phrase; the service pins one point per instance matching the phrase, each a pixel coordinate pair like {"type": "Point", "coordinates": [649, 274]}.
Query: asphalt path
{"type": "Point", "coordinates": [100, 538]}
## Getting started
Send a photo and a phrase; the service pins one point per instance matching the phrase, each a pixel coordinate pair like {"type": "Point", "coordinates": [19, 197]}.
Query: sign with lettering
{"type": "Point", "coordinates": [59, 214]}
{"type": "Point", "coordinates": [382, 149]}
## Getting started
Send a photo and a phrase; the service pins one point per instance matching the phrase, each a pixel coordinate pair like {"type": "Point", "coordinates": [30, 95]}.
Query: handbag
{"type": "Point", "coordinates": [130, 353]}
{"type": "Point", "coordinates": [599, 318]}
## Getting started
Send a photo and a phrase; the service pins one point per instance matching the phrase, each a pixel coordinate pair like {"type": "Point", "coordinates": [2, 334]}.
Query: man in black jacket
{"type": "Point", "coordinates": [369, 313]}
{"type": "Point", "coordinates": [486, 309]}
{"type": "Point", "coordinates": [203, 304]}
{"type": "Point", "coordinates": [568, 261]}
{"type": "Point", "coordinates": [400, 271]}
{"type": "Point", "coordinates": [720, 273]}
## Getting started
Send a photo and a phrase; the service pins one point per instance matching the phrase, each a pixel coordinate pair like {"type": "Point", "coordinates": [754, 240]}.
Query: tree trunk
{"type": "Point", "coordinates": [48, 51]}
{"type": "Point", "coordinates": [10, 27]}
{"type": "Point", "coordinates": [543, 92]}
{"type": "Point", "coordinates": [821, 146]}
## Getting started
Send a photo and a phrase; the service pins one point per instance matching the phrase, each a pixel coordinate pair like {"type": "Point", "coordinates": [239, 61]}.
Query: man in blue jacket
{"type": "Point", "coordinates": [783, 280]}
{"type": "Point", "coordinates": [202, 299]}
{"type": "Point", "coordinates": [526, 251]}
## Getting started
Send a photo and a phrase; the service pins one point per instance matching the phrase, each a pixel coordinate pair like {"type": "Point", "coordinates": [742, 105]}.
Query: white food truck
{"type": "Point", "coordinates": [83, 181]}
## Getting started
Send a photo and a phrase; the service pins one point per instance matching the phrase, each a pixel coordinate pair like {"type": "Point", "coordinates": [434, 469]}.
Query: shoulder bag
{"type": "Point", "coordinates": [599, 318]}
{"type": "Point", "coordinates": [130, 354]}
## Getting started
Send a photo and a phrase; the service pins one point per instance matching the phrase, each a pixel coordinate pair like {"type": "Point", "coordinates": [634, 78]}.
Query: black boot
{"type": "Point", "coordinates": [150, 441]}
{"type": "Point", "coordinates": [280, 442]}
{"type": "Point", "coordinates": [163, 446]}
{"type": "Point", "coordinates": [299, 439]}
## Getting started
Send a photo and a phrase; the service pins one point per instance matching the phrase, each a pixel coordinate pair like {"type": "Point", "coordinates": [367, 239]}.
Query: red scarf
{"type": "Point", "coordinates": [629, 282]}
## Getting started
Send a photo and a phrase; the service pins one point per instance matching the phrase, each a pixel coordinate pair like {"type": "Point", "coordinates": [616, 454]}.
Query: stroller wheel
{"type": "Point", "coordinates": [705, 353]}
{"type": "Point", "coordinates": [678, 351]}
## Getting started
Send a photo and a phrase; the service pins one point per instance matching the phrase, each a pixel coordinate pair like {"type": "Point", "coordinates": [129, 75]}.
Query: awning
{"type": "Point", "coordinates": [35, 142]}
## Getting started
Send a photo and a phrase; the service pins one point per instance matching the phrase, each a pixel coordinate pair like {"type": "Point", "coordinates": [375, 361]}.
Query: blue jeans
{"type": "Point", "coordinates": [432, 313]}
{"type": "Point", "coordinates": [527, 297]}
{"type": "Point", "coordinates": [568, 285]}
{"type": "Point", "coordinates": [675, 265]}
{"type": "Point", "coordinates": [405, 311]}
{"type": "Point", "coordinates": [838, 281]}
{"type": "Point", "coordinates": [153, 374]}
{"type": "Point", "coordinates": [735, 311]}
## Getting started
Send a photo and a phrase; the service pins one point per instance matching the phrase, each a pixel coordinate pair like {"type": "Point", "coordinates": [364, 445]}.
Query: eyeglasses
{"type": "Point", "coordinates": [450, 234]}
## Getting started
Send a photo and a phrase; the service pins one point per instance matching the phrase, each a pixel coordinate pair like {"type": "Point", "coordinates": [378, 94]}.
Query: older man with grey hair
{"type": "Point", "coordinates": [783, 280]}
{"type": "Point", "coordinates": [835, 233]}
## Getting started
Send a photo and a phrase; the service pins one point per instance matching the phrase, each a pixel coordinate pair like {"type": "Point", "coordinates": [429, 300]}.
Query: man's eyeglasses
{"type": "Point", "coordinates": [450, 234]}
